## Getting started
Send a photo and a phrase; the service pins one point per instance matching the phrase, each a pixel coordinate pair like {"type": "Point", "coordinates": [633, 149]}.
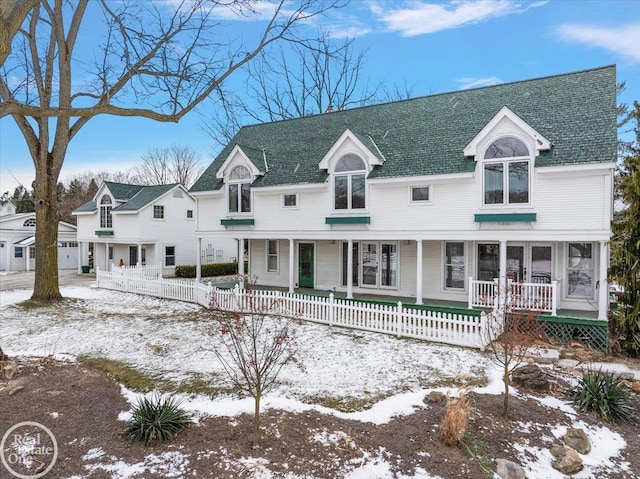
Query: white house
{"type": "Point", "coordinates": [432, 198]}
{"type": "Point", "coordinates": [17, 241]}
{"type": "Point", "coordinates": [136, 224]}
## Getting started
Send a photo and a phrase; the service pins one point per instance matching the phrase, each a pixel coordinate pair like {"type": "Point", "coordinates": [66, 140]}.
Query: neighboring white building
{"type": "Point", "coordinates": [429, 197]}
{"type": "Point", "coordinates": [17, 241]}
{"type": "Point", "coordinates": [136, 224]}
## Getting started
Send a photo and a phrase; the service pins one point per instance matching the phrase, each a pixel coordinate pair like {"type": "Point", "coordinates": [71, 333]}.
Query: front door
{"type": "Point", "coordinates": [516, 270]}
{"type": "Point", "coordinates": [133, 255]}
{"type": "Point", "coordinates": [305, 265]}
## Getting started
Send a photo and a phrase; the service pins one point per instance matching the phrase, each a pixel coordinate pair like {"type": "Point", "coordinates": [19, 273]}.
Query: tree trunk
{"type": "Point", "coordinates": [3, 357]}
{"type": "Point", "coordinates": [505, 404]}
{"type": "Point", "coordinates": [256, 422]}
{"type": "Point", "coordinates": [46, 287]}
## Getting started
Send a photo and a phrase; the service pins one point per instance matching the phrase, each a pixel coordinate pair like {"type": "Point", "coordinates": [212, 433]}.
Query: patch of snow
{"type": "Point", "coordinates": [92, 454]}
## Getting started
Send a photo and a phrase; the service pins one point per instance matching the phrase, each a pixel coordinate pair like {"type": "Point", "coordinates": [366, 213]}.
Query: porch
{"type": "Point", "coordinates": [564, 325]}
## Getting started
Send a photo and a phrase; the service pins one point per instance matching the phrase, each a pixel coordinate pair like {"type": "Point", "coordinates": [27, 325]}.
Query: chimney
{"type": "Point", "coordinates": [329, 108]}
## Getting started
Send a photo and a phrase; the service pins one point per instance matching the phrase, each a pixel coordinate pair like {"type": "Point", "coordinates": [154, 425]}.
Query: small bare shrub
{"type": "Point", "coordinates": [456, 418]}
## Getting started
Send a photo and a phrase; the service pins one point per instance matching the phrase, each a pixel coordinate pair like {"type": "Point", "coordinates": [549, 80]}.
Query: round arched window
{"type": "Point", "coordinates": [506, 172]}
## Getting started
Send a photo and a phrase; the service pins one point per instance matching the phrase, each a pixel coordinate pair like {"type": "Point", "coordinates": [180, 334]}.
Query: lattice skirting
{"type": "Point", "coordinates": [595, 335]}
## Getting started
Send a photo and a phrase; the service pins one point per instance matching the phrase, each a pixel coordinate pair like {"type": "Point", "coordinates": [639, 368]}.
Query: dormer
{"type": "Point", "coordinates": [351, 143]}
{"type": "Point", "coordinates": [506, 123]}
{"type": "Point", "coordinates": [246, 159]}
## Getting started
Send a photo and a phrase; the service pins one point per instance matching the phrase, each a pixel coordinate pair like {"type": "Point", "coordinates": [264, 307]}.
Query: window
{"type": "Point", "coordinates": [375, 264]}
{"type": "Point", "coordinates": [272, 256]}
{"type": "Point", "coordinates": [189, 214]}
{"type": "Point", "coordinates": [30, 223]}
{"type": "Point", "coordinates": [420, 194]}
{"type": "Point", "coordinates": [106, 220]}
{"type": "Point", "coordinates": [580, 270]}
{"type": "Point", "coordinates": [488, 262]}
{"type": "Point", "coordinates": [18, 252]}
{"type": "Point", "coordinates": [506, 182]}
{"type": "Point", "coordinates": [32, 252]}
{"type": "Point", "coordinates": [239, 190]}
{"type": "Point", "coordinates": [169, 255]}
{"type": "Point", "coordinates": [349, 183]}
{"type": "Point", "coordinates": [158, 212]}
{"type": "Point", "coordinates": [454, 265]}
{"type": "Point", "coordinates": [290, 200]}
{"type": "Point", "coordinates": [73, 244]}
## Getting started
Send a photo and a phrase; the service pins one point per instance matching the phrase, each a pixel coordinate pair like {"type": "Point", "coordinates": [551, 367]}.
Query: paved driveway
{"type": "Point", "coordinates": [24, 279]}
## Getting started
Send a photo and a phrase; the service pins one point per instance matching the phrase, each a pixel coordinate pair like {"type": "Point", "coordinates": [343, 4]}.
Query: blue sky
{"type": "Point", "coordinates": [433, 47]}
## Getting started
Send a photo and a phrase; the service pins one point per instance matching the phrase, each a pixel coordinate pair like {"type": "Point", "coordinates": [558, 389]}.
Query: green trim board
{"type": "Point", "coordinates": [237, 222]}
{"type": "Point", "coordinates": [104, 232]}
{"type": "Point", "coordinates": [347, 220]}
{"type": "Point", "coordinates": [505, 217]}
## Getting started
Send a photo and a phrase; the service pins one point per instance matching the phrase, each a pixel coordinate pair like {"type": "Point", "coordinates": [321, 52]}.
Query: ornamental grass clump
{"type": "Point", "coordinates": [603, 394]}
{"type": "Point", "coordinates": [156, 419]}
{"type": "Point", "coordinates": [456, 418]}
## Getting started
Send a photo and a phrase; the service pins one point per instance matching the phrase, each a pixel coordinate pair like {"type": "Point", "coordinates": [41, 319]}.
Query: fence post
{"type": "Point", "coordinates": [399, 319]}
{"type": "Point", "coordinates": [332, 305]}
{"type": "Point", "coordinates": [482, 333]}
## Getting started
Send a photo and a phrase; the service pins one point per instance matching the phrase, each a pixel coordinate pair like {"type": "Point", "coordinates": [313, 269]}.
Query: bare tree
{"type": "Point", "coordinates": [510, 332]}
{"type": "Point", "coordinates": [253, 343]}
{"type": "Point", "coordinates": [12, 14]}
{"type": "Point", "coordinates": [156, 60]}
{"type": "Point", "coordinates": [174, 164]}
{"type": "Point", "coordinates": [303, 78]}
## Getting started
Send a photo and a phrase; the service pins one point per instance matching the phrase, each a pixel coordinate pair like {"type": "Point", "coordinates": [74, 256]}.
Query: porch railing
{"type": "Point", "coordinates": [541, 297]}
{"type": "Point", "coordinates": [396, 319]}
{"type": "Point", "coordinates": [142, 271]}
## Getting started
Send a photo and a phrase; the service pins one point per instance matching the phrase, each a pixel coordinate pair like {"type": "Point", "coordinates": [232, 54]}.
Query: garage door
{"type": "Point", "coordinates": [67, 255]}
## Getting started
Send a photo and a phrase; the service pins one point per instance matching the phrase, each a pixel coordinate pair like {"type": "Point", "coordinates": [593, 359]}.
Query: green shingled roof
{"type": "Point", "coordinates": [134, 196]}
{"type": "Point", "coordinates": [576, 112]}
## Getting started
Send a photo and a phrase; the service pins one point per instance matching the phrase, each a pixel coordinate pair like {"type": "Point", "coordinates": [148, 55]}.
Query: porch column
{"type": "Point", "coordinates": [198, 260]}
{"type": "Point", "coordinates": [292, 258]}
{"type": "Point", "coordinates": [419, 271]}
{"type": "Point", "coordinates": [241, 257]}
{"type": "Point", "coordinates": [140, 254]}
{"type": "Point", "coordinates": [80, 255]}
{"type": "Point", "coordinates": [502, 281]}
{"type": "Point", "coordinates": [350, 269]}
{"type": "Point", "coordinates": [27, 253]}
{"type": "Point", "coordinates": [603, 291]}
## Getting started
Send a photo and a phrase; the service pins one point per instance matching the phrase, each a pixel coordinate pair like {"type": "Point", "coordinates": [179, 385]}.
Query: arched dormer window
{"type": "Point", "coordinates": [349, 183]}
{"type": "Point", "coordinates": [106, 204]}
{"type": "Point", "coordinates": [29, 223]}
{"type": "Point", "coordinates": [239, 190]}
{"type": "Point", "coordinates": [506, 172]}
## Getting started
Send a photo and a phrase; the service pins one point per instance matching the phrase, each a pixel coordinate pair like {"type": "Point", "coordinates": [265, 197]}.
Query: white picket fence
{"type": "Point", "coordinates": [397, 320]}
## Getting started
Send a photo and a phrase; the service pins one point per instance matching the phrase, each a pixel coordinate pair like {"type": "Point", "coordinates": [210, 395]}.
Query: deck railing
{"type": "Point", "coordinates": [541, 297]}
{"type": "Point", "coordinates": [397, 319]}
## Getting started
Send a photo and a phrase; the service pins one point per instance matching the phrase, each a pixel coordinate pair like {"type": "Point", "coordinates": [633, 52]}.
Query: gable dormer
{"type": "Point", "coordinates": [247, 158]}
{"type": "Point", "coordinates": [351, 143]}
{"type": "Point", "coordinates": [506, 123]}
{"type": "Point", "coordinates": [238, 172]}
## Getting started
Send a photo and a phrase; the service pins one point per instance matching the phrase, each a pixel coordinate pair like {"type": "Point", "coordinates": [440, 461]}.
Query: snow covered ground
{"type": "Point", "coordinates": [164, 338]}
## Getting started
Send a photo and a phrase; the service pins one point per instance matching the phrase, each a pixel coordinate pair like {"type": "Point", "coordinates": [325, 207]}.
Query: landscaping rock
{"type": "Point", "coordinates": [509, 470]}
{"type": "Point", "coordinates": [531, 377]}
{"type": "Point", "coordinates": [558, 451]}
{"type": "Point", "coordinates": [436, 397]}
{"type": "Point", "coordinates": [568, 364]}
{"type": "Point", "coordinates": [578, 440]}
{"type": "Point", "coordinates": [568, 463]}
{"type": "Point", "coordinates": [636, 386]}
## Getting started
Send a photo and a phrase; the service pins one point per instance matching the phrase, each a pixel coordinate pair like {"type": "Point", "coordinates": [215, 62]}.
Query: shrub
{"type": "Point", "coordinates": [208, 270]}
{"type": "Point", "coordinates": [601, 393]}
{"type": "Point", "coordinates": [156, 420]}
{"type": "Point", "coordinates": [456, 418]}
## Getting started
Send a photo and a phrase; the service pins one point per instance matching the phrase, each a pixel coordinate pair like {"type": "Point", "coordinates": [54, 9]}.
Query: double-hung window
{"type": "Point", "coordinates": [580, 270]}
{"type": "Point", "coordinates": [239, 190]}
{"type": "Point", "coordinates": [158, 212]}
{"type": "Point", "coordinates": [454, 265]}
{"type": "Point", "coordinates": [169, 255]}
{"type": "Point", "coordinates": [349, 186]}
{"type": "Point", "coordinates": [272, 256]}
{"type": "Point", "coordinates": [106, 220]}
{"type": "Point", "coordinates": [506, 173]}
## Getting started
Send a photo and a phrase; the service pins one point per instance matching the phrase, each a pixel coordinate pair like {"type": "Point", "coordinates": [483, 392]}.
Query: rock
{"type": "Point", "coordinates": [558, 451]}
{"type": "Point", "coordinates": [569, 463]}
{"type": "Point", "coordinates": [578, 440]}
{"type": "Point", "coordinates": [636, 386]}
{"type": "Point", "coordinates": [14, 390]}
{"type": "Point", "coordinates": [568, 364]}
{"type": "Point", "coordinates": [436, 397]}
{"type": "Point", "coordinates": [509, 470]}
{"type": "Point", "coordinates": [531, 377]}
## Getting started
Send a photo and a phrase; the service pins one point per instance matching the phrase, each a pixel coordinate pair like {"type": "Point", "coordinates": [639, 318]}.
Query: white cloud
{"type": "Point", "coordinates": [467, 83]}
{"type": "Point", "coordinates": [623, 40]}
{"type": "Point", "coordinates": [420, 17]}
